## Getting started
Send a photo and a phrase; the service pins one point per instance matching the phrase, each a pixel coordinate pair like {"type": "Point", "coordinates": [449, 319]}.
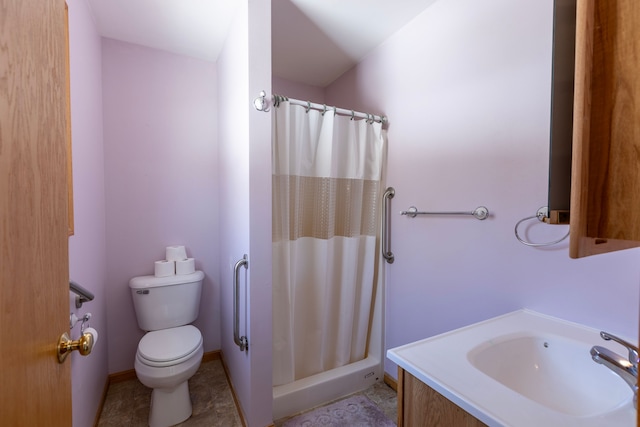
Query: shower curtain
{"type": "Point", "coordinates": [327, 189]}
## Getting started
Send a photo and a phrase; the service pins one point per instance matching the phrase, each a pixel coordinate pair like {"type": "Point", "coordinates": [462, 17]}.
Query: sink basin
{"type": "Point", "coordinates": [523, 369]}
{"type": "Point", "coordinates": [553, 371]}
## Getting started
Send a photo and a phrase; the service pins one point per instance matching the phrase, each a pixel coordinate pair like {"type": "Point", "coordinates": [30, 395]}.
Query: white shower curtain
{"type": "Point", "coordinates": [326, 200]}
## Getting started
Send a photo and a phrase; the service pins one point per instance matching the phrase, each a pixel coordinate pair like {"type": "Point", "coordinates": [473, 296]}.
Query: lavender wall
{"type": "Point", "coordinates": [282, 86]}
{"type": "Point", "coordinates": [87, 247]}
{"type": "Point", "coordinates": [160, 137]}
{"type": "Point", "coordinates": [260, 307]}
{"type": "Point", "coordinates": [466, 89]}
{"type": "Point", "coordinates": [245, 206]}
{"type": "Point", "coordinates": [233, 167]}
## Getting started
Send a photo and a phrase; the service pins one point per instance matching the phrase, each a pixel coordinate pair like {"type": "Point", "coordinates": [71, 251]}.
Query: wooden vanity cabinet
{"type": "Point", "coordinates": [421, 406]}
{"type": "Point", "coordinates": [605, 190]}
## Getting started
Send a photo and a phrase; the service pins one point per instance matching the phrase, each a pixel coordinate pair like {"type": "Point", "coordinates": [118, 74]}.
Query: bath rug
{"type": "Point", "coordinates": [350, 412]}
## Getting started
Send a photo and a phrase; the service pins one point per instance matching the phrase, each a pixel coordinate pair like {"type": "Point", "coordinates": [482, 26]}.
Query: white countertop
{"type": "Point", "coordinates": [442, 362]}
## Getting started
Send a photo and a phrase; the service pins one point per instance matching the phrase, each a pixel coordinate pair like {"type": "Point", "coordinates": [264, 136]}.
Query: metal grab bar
{"type": "Point", "coordinates": [241, 341]}
{"type": "Point", "coordinates": [480, 212]}
{"type": "Point", "coordinates": [386, 235]}
{"type": "Point", "coordinates": [83, 295]}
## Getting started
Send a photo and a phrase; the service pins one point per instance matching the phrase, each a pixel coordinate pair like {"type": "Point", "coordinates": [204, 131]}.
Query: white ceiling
{"type": "Point", "coordinates": [314, 41]}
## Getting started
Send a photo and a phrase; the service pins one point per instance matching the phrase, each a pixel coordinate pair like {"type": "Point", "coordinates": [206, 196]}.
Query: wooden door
{"type": "Point", "coordinates": [34, 289]}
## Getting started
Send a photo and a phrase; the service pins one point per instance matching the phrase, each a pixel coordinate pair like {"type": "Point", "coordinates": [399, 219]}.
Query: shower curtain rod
{"type": "Point", "coordinates": [262, 104]}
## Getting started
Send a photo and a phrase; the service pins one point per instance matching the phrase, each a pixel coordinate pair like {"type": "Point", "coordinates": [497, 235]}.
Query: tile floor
{"type": "Point", "coordinates": [127, 402]}
{"type": "Point", "coordinates": [381, 394]}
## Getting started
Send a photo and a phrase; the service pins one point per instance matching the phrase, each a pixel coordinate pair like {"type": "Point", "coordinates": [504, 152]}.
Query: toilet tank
{"type": "Point", "coordinates": [166, 302]}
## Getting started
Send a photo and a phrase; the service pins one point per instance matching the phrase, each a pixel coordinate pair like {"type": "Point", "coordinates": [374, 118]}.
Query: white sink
{"type": "Point", "coordinates": [523, 369]}
{"type": "Point", "coordinates": [553, 371]}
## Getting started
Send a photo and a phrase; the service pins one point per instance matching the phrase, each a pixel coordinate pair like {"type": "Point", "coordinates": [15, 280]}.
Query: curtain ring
{"type": "Point", "coordinates": [353, 115]}
{"type": "Point", "coordinates": [324, 109]}
{"type": "Point", "coordinates": [308, 107]}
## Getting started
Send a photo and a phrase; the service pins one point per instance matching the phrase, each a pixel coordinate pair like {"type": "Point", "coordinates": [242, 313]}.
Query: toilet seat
{"type": "Point", "coordinates": [168, 347]}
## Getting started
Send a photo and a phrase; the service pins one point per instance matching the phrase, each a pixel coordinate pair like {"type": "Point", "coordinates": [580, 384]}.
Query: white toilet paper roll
{"type": "Point", "coordinates": [165, 268]}
{"type": "Point", "coordinates": [94, 333]}
{"type": "Point", "coordinates": [176, 253]}
{"type": "Point", "coordinates": [186, 266]}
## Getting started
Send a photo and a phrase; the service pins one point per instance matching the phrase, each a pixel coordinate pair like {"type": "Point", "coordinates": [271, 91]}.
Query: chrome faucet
{"type": "Point", "coordinates": [625, 368]}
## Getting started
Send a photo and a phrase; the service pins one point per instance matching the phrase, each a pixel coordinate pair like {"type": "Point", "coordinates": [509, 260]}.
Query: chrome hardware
{"type": "Point", "coordinates": [73, 320]}
{"type": "Point", "coordinates": [142, 292]}
{"type": "Point", "coordinates": [65, 345]}
{"type": "Point", "coordinates": [633, 350]}
{"type": "Point", "coordinates": [480, 212]}
{"type": "Point", "coordinates": [261, 103]}
{"type": "Point", "coordinates": [627, 369]}
{"type": "Point", "coordinates": [241, 341]}
{"type": "Point", "coordinates": [386, 234]}
{"type": "Point", "coordinates": [542, 215]}
{"type": "Point", "coordinates": [83, 295]}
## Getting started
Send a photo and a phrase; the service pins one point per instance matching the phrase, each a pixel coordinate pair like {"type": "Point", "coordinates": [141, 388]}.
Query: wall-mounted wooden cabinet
{"type": "Point", "coordinates": [605, 196]}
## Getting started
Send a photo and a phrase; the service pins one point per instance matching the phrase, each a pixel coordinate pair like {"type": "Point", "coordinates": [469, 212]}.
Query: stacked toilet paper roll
{"type": "Point", "coordinates": [176, 262]}
{"type": "Point", "coordinates": [165, 268]}
{"type": "Point", "coordinates": [176, 253]}
{"type": "Point", "coordinates": [185, 266]}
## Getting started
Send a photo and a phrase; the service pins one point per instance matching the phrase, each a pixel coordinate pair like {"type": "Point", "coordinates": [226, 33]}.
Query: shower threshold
{"type": "Point", "coordinates": [307, 393]}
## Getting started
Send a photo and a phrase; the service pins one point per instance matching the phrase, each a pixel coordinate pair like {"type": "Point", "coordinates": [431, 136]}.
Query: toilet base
{"type": "Point", "coordinates": [170, 406]}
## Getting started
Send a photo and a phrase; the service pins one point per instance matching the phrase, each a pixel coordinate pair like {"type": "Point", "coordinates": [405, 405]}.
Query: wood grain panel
{"type": "Point", "coordinates": [422, 406]}
{"type": "Point", "coordinates": [69, 151]}
{"type": "Point", "coordinates": [34, 279]}
{"type": "Point", "coordinates": [605, 201]}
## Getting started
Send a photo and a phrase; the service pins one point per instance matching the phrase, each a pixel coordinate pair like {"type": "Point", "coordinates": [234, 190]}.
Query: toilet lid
{"type": "Point", "coordinates": [169, 344]}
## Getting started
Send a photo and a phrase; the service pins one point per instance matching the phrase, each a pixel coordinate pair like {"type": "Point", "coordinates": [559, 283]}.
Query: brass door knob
{"type": "Point", "coordinates": [65, 345]}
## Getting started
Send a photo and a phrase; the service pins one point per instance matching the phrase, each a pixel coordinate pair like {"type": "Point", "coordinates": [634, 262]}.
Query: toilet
{"type": "Point", "coordinates": [171, 350]}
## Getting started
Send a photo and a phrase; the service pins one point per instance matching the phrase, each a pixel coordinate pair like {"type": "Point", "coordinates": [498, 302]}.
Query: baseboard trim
{"type": "Point", "coordinates": [211, 355]}
{"type": "Point", "coordinates": [388, 380]}
{"type": "Point", "coordinates": [233, 392]}
{"type": "Point", "coordinates": [119, 377]}
{"type": "Point", "coordinates": [102, 400]}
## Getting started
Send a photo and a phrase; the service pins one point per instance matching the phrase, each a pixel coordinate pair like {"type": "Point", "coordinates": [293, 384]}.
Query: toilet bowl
{"type": "Point", "coordinates": [165, 361]}
{"type": "Point", "coordinates": [171, 351]}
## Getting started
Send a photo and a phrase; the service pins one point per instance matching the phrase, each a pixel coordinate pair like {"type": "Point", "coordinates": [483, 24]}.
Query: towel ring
{"type": "Point", "coordinates": [540, 216]}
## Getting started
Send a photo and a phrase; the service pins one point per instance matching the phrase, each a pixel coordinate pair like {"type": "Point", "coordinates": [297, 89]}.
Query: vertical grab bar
{"type": "Point", "coordinates": [386, 234]}
{"type": "Point", "coordinates": [241, 341]}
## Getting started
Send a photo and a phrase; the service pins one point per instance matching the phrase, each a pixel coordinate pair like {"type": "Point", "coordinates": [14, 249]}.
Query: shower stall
{"type": "Point", "coordinates": [328, 273]}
